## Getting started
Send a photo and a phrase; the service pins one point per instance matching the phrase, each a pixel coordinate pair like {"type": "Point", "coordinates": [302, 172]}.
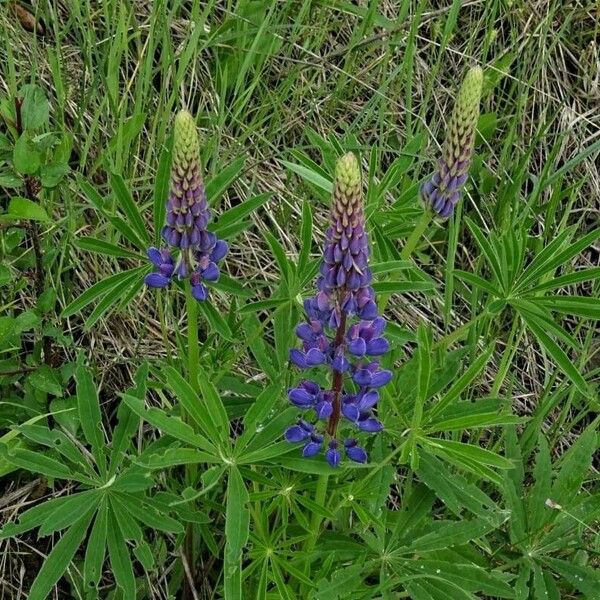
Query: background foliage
{"type": "Point", "coordinates": [484, 484]}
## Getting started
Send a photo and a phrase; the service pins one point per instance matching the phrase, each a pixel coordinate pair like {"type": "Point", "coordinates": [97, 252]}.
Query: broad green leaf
{"type": "Point", "coordinates": [200, 410]}
{"type": "Point", "coordinates": [47, 380]}
{"type": "Point", "coordinates": [310, 176]}
{"type": "Point", "coordinates": [448, 534]}
{"type": "Point", "coordinates": [59, 559]}
{"type": "Point", "coordinates": [557, 354]}
{"type": "Point", "coordinates": [172, 426]}
{"type": "Point", "coordinates": [100, 288]}
{"type": "Point", "coordinates": [66, 514]}
{"type": "Point", "coordinates": [239, 212]}
{"type": "Point", "coordinates": [36, 463]}
{"type": "Point", "coordinates": [34, 108]}
{"type": "Point", "coordinates": [23, 208]}
{"type": "Point", "coordinates": [26, 159]}
{"type": "Point", "coordinates": [96, 547]}
{"type": "Point", "coordinates": [120, 560]}
{"type": "Point", "coordinates": [89, 415]}
{"type": "Point", "coordinates": [469, 451]}
{"type": "Point", "coordinates": [105, 248]}
{"type": "Point", "coordinates": [575, 466]}
{"type": "Point", "coordinates": [237, 518]}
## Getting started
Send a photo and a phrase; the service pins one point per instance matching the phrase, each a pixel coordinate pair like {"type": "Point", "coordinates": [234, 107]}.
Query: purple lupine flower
{"type": "Point", "coordinates": [197, 250]}
{"type": "Point", "coordinates": [442, 191]}
{"type": "Point", "coordinates": [342, 330]}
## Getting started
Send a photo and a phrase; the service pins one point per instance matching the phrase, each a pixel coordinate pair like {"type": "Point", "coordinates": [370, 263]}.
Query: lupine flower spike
{"type": "Point", "coordinates": [443, 190]}
{"type": "Point", "coordinates": [343, 331]}
{"type": "Point", "coordinates": [197, 251]}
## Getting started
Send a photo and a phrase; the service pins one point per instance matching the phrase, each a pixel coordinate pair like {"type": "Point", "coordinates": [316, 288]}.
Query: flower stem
{"type": "Point", "coordinates": [415, 236]}
{"type": "Point", "coordinates": [191, 470]}
{"type": "Point", "coordinates": [192, 338]}
{"type": "Point", "coordinates": [336, 386]}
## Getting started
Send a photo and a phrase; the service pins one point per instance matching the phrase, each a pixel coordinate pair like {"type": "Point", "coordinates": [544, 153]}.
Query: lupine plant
{"type": "Point", "coordinates": [188, 214]}
{"type": "Point", "coordinates": [442, 191]}
{"type": "Point", "coordinates": [342, 331]}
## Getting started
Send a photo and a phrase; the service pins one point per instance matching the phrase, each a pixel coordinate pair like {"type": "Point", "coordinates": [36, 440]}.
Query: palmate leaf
{"type": "Point", "coordinates": [553, 256]}
{"type": "Point", "coordinates": [100, 288]}
{"type": "Point", "coordinates": [582, 578]}
{"type": "Point", "coordinates": [454, 490]}
{"type": "Point", "coordinates": [207, 412]}
{"type": "Point", "coordinates": [557, 354]}
{"type": "Point", "coordinates": [575, 466]}
{"type": "Point", "coordinates": [172, 426]}
{"type": "Point", "coordinates": [463, 575]}
{"type": "Point", "coordinates": [68, 512]}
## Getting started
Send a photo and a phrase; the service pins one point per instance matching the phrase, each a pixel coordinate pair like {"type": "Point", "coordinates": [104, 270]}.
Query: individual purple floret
{"type": "Point", "coordinates": [342, 330]}
{"type": "Point", "coordinates": [198, 250]}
